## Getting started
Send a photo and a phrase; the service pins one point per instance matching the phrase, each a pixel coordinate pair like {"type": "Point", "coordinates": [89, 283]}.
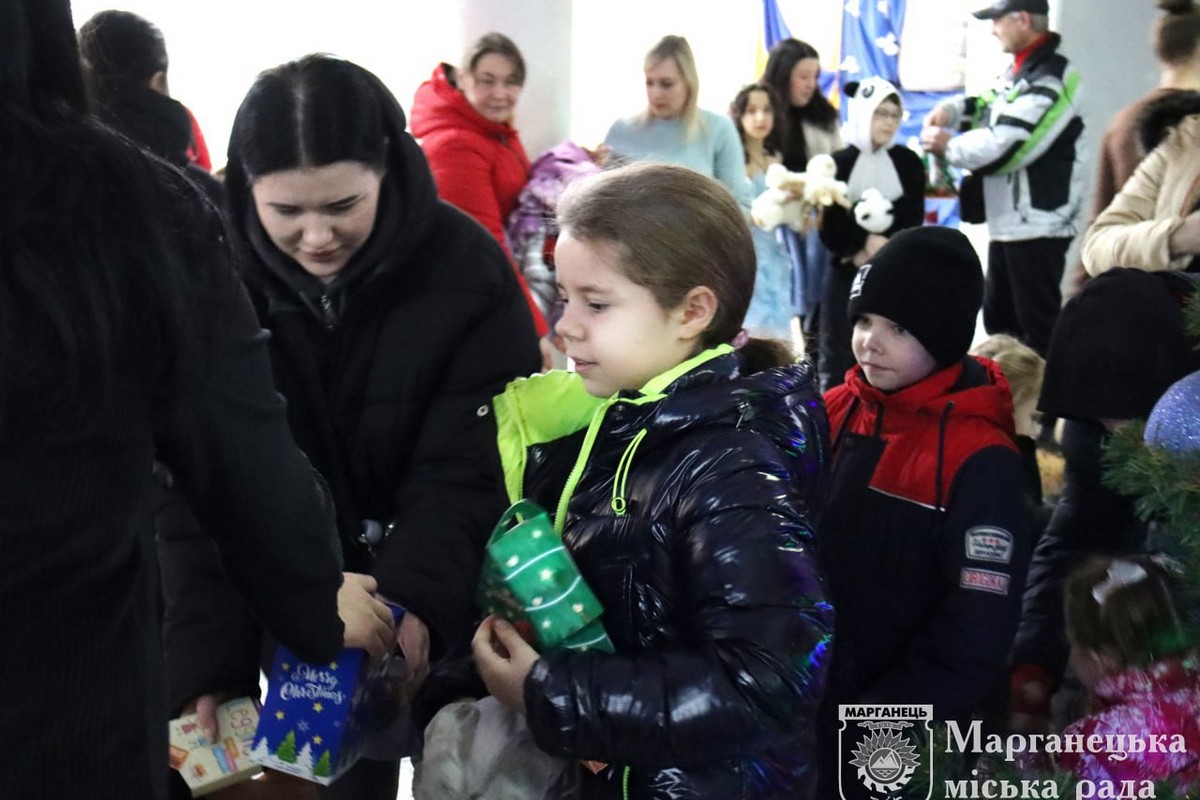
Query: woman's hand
{"type": "Point", "coordinates": [368, 621]}
{"type": "Point", "coordinates": [1185, 241]}
{"type": "Point", "coordinates": [503, 659]}
{"type": "Point", "coordinates": [601, 155]}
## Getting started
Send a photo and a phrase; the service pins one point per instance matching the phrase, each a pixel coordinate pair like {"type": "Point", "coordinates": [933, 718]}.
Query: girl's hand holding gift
{"type": "Point", "coordinates": [503, 659]}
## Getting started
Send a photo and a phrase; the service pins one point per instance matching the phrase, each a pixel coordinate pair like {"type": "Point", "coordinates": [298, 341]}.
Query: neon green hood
{"type": "Point", "coordinates": [553, 405]}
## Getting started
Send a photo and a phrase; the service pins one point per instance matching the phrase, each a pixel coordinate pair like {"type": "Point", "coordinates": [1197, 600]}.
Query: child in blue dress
{"type": "Point", "coordinates": [770, 314]}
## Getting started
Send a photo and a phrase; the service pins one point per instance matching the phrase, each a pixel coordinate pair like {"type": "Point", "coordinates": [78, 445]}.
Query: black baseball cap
{"type": "Point", "coordinates": [1002, 7]}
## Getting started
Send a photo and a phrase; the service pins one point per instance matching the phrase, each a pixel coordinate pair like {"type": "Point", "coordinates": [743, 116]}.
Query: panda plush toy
{"type": "Point", "coordinates": [873, 212]}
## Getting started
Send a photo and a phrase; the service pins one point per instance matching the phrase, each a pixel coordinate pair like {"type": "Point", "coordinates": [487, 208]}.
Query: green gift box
{"type": "Point", "coordinates": [529, 579]}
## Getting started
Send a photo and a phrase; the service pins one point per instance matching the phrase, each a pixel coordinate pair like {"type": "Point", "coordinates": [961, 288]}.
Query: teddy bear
{"type": "Point", "coordinates": [798, 199]}
{"type": "Point", "coordinates": [873, 212]}
{"type": "Point", "coordinates": [821, 186]}
{"type": "Point", "coordinates": [783, 201]}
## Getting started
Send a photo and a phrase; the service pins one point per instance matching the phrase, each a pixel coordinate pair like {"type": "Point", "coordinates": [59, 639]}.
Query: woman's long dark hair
{"type": "Point", "coordinates": [307, 113]}
{"type": "Point", "coordinates": [782, 59]}
{"type": "Point", "coordinates": [120, 51]}
{"type": "Point", "coordinates": [100, 257]}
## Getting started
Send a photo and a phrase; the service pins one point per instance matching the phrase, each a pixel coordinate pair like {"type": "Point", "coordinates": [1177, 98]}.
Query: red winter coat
{"type": "Point", "coordinates": [479, 166]}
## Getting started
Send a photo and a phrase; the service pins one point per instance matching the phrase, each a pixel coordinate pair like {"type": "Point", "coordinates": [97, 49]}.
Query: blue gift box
{"type": "Point", "coordinates": [315, 718]}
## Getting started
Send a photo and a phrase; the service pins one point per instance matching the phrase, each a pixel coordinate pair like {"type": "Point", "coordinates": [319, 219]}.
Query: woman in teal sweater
{"type": "Point", "coordinates": [673, 130]}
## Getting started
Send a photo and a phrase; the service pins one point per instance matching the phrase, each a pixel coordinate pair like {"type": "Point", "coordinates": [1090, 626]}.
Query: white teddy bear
{"type": "Point", "coordinates": [783, 201]}
{"type": "Point", "coordinates": [796, 199]}
{"type": "Point", "coordinates": [873, 212]}
{"type": "Point", "coordinates": [821, 186]}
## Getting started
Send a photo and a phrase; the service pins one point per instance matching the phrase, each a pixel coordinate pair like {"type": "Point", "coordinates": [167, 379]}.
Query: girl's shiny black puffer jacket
{"type": "Point", "coordinates": [713, 596]}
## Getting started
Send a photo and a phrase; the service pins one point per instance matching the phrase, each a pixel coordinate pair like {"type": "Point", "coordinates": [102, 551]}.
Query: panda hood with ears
{"type": "Point", "coordinates": [873, 169]}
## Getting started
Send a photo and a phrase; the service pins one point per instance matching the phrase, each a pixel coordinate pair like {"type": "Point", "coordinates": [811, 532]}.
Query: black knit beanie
{"type": "Point", "coordinates": [929, 281]}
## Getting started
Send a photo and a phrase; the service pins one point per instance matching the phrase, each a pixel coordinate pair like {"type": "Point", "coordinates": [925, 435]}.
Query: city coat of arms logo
{"type": "Point", "coordinates": [881, 749]}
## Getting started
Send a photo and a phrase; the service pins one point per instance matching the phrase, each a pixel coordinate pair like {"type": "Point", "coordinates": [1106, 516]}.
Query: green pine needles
{"type": "Point", "coordinates": [1166, 488]}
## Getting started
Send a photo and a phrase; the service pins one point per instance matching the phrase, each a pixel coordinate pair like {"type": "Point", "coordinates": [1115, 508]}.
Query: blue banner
{"type": "Point", "coordinates": [774, 28]}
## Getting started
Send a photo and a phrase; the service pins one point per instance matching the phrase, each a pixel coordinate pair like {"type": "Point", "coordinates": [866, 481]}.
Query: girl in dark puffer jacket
{"type": "Point", "coordinates": [681, 461]}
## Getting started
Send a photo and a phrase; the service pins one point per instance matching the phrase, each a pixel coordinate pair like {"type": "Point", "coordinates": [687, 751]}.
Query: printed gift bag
{"type": "Point", "coordinates": [529, 579]}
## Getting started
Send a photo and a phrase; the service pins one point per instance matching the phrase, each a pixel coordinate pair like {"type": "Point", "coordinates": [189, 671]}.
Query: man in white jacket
{"type": "Point", "coordinates": [1023, 138]}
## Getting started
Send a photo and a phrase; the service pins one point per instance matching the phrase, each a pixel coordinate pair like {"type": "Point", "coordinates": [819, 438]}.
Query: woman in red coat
{"type": "Point", "coordinates": [463, 120]}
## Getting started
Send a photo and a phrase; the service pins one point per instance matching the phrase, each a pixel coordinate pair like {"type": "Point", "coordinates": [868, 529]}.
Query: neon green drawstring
{"type": "Point", "coordinates": [622, 476]}
{"type": "Point", "coordinates": [625, 783]}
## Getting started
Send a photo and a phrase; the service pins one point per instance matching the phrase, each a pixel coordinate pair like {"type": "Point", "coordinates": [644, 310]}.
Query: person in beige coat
{"type": "Point", "coordinates": [1175, 37]}
{"type": "Point", "coordinates": [1153, 222]}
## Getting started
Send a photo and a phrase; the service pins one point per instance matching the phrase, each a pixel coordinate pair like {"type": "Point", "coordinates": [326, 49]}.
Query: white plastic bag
{"type": "Point", "coordinates": [481, 749]}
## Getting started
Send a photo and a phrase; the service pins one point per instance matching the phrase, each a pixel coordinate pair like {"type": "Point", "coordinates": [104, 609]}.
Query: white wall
{"type": "Point", "coordinates": [1109, 42]}
{"type": "Point", "coordinates": [584, 56]}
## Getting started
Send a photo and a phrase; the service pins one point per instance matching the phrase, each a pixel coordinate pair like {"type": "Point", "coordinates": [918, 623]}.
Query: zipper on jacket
{"type": "Point", "coordinates": [328, 317]}
{"type": "Point", "coordinates": [941, 456]}
{"type": "Point", "coordinates": [650, 393]}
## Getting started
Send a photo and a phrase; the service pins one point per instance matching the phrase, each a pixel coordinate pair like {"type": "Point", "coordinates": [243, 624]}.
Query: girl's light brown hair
{"type": "Point", "coordinates": [674, 230]}
{"type": "Point", "coordinates": [1135, 621]}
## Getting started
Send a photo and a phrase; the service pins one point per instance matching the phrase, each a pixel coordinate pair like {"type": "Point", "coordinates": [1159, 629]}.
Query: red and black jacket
{"type": "Point", "coordinates": [924, 538]}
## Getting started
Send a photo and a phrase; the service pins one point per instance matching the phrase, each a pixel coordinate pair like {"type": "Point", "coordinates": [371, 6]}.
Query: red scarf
{"type": "Point", "coordinates": [1020, 57]}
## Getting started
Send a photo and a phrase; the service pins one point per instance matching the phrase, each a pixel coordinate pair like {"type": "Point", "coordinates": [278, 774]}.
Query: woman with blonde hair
{"type": "Point", "coordinates": [674, 130]}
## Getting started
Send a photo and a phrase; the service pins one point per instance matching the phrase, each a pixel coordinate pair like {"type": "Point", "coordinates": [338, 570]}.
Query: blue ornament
{"type": "Point", "coordinates": [1174, 423]}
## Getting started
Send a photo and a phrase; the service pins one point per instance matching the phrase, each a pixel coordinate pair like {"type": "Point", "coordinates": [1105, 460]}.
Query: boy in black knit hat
{"type": "Point", "coordinates": [923, 531]}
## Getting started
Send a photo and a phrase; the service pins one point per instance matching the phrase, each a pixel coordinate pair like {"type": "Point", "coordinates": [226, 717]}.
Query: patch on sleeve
{"type": "Point", "coordinates": [984, 580]}
{"type": "Point", "coordinates": [985, 543]}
